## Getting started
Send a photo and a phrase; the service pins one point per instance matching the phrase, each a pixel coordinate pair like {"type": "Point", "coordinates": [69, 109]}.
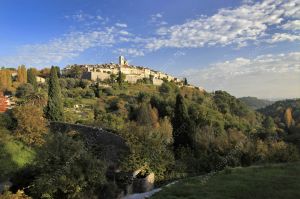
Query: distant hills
{"type": "Point", "coordinates": [256, 103]}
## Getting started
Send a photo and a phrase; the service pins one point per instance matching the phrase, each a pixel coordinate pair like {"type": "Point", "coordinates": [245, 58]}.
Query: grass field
{"type": "Point", "coordinates": [280, 181]}
{"type": "Point", "coordinates": [13, 155]}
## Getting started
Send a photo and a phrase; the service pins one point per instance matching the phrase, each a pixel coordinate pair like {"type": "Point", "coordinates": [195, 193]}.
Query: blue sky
{"type": "Point", "coordinates": [245, 47]}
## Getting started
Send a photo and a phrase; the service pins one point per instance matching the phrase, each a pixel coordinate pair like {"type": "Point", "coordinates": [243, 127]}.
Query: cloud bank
{"type": "Point", "coordinates": [266, 76]}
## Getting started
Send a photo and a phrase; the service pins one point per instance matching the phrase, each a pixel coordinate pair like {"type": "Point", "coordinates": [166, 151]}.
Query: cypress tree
{"type": "Point", "coordinates": [54, 109]}
{"type": "Point", "coordinates": [121, 78]}
{"type": "Point", "coordinates": [185, 82]}
{"type": "Point", "coordinates": [181, 124]}
{"type": "Point", "coordinates": [31, 78]}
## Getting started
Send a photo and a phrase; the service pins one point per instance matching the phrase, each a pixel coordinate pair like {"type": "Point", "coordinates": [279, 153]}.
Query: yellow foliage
{"type": "Point", "coordinates": [31, 125]}
{"type": "Point", "coordinates": [288, 117]}
{"type": "Point", "coordinates": [19, 195]}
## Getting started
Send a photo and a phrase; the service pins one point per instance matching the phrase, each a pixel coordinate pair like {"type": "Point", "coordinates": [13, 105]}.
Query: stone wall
{"type": "Point", "coordinates": [110, 145]}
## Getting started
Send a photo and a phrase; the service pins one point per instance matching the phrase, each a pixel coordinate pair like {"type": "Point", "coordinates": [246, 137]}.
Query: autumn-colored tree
{"type": "Point", "coordinates": [5, 79]}
{"type": "Point", "coordinates": [19, 195]}
{"type": "Point", "coordinates": [147, 116]}
{"type": "Point", "coordinates": [45, 73]}
{"type": "Point", "coordinates": [31, 125]}
{"type": "Point", "coordinates": [288, 117]}
{"type": "Point", "coordinates": [22, 74]}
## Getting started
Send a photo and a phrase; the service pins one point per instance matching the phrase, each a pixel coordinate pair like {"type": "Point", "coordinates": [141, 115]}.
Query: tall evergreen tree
{"type": "Point", "coordinates": [181, 124]}
{"type": "Point", "coordinates": [54, 109]}
{"type": "Point", "coordinates": [31, 78]}
{"type": "Point", "coordinates": [121, 78]}
{"type": "Point", "coordinates": [185, 82]}
{"type": "Point", "coordinates": [58, 71]}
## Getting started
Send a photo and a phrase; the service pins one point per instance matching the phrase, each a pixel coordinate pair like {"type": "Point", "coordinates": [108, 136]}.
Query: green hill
{"type": "Point", "coordinates": [286, 115]}
{"type": "Point", "coordinates": [266, 182]}
{"type": "Point", "coordinates": [256, 103]}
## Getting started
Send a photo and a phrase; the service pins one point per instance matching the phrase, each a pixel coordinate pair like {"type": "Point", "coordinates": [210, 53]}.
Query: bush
{"type": "Point", "coordinates": [67, 169]}
{"type": "Point", "coordinates": [24, 90]}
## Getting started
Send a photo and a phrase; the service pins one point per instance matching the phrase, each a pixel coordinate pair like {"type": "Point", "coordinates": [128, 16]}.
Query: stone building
{"type": "Point", "coordinates": [133, 73]}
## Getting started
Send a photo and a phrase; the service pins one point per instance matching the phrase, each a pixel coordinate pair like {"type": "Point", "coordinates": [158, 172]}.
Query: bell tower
{"type": "Point", "coordinates": [122, 60]}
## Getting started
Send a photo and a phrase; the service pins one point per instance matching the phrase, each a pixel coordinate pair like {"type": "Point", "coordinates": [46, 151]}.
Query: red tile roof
{"type": "Point", "coordinates": [3, 103]}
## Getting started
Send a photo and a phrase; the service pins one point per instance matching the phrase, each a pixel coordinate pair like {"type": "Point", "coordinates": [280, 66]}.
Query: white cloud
{"type": "Point", "coordinates": [81, 16]}
{"type": "Point", "coordinates": [67, 47]}
{"type": "Point", "coordinates": [156, 19]}
{"type": "Point", "coordinates": [280, 37]}
{"type": "Point", "coordinates": [121, 25]}
{"type": "Point", "coordinates": [239, 26]}
{"type": "Point", "coordinates": [124, 32]}
{"type": "Point", "coordinates": [292, 25]}
{"type": "Point", "coordinates": [266, 76]}
{"type": "Point", "coordinates": [130, 52]}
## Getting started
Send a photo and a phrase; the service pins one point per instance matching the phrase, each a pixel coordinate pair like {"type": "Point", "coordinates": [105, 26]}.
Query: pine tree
{"type": "Point", "coordinates": [181, 124]}
{"type": "Point", "coordinates": [54, 109]}
{"type": "Point", "coordinates": [31, 77]}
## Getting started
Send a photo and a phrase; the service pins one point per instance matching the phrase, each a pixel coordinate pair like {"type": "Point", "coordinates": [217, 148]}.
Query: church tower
{"type": "Point", "coordinates": [122, 61]}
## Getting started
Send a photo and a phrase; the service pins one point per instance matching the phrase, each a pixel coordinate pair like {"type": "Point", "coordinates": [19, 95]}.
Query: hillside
{"type": "Point", "coordinates": [172, 131]}
{"type": "Point", "coordinates": [273, 181]}
{"type": "Point", "coordinates": [281, 109]}
{"type": "Point", "coordinates": [256, 103]}
{"type": "Point", "coordinates": [286, 115]}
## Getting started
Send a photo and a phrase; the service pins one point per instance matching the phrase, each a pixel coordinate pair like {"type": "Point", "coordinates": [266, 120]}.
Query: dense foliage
{"type": "Point", "coordinates": [171, 130]}
{"type": "Point", "coordinates": [286, 116]}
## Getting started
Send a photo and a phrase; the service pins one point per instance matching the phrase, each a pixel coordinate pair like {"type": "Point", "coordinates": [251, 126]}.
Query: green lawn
{"type": "Point", "coordinates": [268, 182]}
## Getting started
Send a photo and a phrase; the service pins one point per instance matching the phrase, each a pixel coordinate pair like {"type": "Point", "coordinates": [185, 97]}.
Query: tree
{"type": "Point", "coordinates": [54, 108]}
{"type": "Point", "coordinates": [113, 78]}
{"type": "Point", "coordinates": [147, 116]}
{"type": "Point", "coordinates": [31, 125]}
{"type": "Point", "coordinates": [269, 125]}
{"type": "Point", "coordinates": [121, 78]}
{"type": "Point", "coordinates": [75, 71]}
{"type": "Point", "coordinates": [288, 117]}
{"type": "Point", "coordinates": [31, 77]}
{"type": "Point", "coordinates": [68, 169]}
{"type": "Point", "coordinates": [148, 149]}
{"type": "Point", "coordinates": [181, 124]}
{"type": "Point", "coordinates": [5, 79]}
{"type": "Point", "coordinates": [58, 71]}
{"type": "Point", "coordinates": [185, 82]}
{"type": "Point", "coordinates": [24, 90]}
{"type": "Point", "coordinates": [22, 74]}
{"type": "Point", "coordinates": [45, 72]}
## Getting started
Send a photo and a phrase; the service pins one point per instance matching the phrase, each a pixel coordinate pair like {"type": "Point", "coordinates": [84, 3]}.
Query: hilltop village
{"type": "Point", "coordinates": [132, 73]}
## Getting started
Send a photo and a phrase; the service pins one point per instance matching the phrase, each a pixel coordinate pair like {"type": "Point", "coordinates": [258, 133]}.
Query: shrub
{"type": "Point", "coordinates": [67, 169]}
{"type": "Point", "coordinates": [24, 90]}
